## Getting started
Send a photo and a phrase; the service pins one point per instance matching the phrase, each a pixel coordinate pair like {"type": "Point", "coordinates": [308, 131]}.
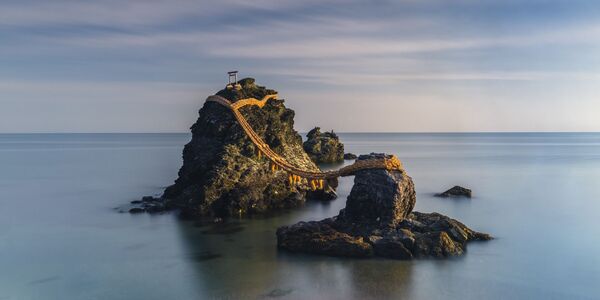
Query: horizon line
{"type": "Point", "coordinates": [337, 132]}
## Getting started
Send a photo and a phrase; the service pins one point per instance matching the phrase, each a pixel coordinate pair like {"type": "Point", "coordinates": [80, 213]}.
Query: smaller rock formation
{"type": "Point", "coordinates": [323, 147]}
{"type": "Point", "coordinates": [378, 221]}
{"type": "Point", "coordinates": [349, 156]}
{"type": "Point", "coordinates": [456, 191]}
{"type": "Point", "coordinates": [148, 204]}
{"type": "Point", "coordinates": [420, 235]}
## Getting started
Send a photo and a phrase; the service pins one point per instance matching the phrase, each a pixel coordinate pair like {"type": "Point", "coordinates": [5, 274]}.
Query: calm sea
{"type": "Point", "coordinates": [61, 237]}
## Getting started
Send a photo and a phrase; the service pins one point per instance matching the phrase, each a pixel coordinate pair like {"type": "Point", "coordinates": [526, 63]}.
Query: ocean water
{"type": "Point", "coordinates": [62, 238]}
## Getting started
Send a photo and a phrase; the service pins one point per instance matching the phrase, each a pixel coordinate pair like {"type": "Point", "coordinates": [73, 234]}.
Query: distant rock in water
{"type": "Point", "coordinates": [456, 191]}
{"type": "Point", "coordinates": [324, 147]}
{"type": "Point", "coordinates": [222, 174]}
{"type": "Point", "coordinates": [349, 156]}
{"type": "Point", "coordinates": [378, 221]}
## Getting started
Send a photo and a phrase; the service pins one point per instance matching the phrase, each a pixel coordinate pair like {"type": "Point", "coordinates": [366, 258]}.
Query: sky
{"type": "Point", "coordinates": [350, 66]}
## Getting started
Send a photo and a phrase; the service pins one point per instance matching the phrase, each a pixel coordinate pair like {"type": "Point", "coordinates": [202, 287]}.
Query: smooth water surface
{"type": "Point", "coordinates": [62, 238]}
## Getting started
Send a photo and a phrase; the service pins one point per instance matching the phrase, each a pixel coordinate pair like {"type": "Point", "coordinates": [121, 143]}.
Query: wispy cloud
{"type": "Point", "coordinates": [348, 79]}
{"type": "Point", "coordinates": [348, 52]}
{"type": "Point", "coordinates": [127, 13]}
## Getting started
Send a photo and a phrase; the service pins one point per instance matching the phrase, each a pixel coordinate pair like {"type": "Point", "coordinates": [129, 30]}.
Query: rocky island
{"type": "Point", "coordinates": [378, 221]}
{"type": "Point", "coordinates": [324, 147]}
{"type": "Point", "coordinates": [223, 174]}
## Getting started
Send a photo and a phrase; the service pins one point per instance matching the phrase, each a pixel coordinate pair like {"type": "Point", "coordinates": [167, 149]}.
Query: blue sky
{"type": "Point", "coordinates": [406, 66]}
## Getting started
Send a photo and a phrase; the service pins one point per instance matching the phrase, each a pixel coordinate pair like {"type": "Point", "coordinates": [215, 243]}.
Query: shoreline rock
{"type": "Point", "coordinates": [456, 191]}
{"type": "Point", "coordinates": [148, 204]}
{"type": "Point", "coordinates": [323, 147]}
{"type": "Point", "coordinates": [420, 235]}
{"type": "Point", "coordinates": [349, 156]}
{"type": "Point", "coordinates": [378, 221]}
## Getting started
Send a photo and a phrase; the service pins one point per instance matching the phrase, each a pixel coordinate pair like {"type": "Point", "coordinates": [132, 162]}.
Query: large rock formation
{"type": "Point", "coordinates": [324, 147]}
{"type": "Point", "coordinates": [222, 174]}
{"type": "Point", "coordinates": [378, 221]}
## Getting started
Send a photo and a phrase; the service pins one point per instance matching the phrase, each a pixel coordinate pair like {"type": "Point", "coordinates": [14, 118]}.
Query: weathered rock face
{"type": "Point", "coordinates": [436, 235]}
{"type": "Point", "coordinates": [378, 221]}
{"type": "Point", "coordinates": [322, 238]}
{"type": "Point", "coordinates": [324, 147]}
{"type": "Point", "coordinates": [456, 191]}
{"type": "Point", "coordinates": [222, 174]}
{"type": "Point", "coordinates": [379, 197]}
{"type": "Point", "coordinates": [420, 235]}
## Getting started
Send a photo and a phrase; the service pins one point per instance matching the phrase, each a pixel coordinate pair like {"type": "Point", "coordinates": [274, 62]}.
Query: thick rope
{"type": "Point", "coordinates": [315, 178]}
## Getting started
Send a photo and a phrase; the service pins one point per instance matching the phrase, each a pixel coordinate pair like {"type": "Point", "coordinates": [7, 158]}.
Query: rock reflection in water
{"type": "Point", "coordinates": [247, 264]}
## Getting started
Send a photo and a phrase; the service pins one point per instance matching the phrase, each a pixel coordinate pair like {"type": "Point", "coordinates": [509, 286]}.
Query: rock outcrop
{"type": "Point", "coordinates": [349, 156]}
{"type": "Point", "coordinates": [456, 191]}
{"type": "Point", "coordinates": [148, 204]}
{"type": "Point", "coordinates": [324, 147]}
{"type": "Point", "coordinates": [379, 198]}
{"type": "Point", "coordinates": [378, 221]}
{"type": "Point", "coordinates": [222, 173]}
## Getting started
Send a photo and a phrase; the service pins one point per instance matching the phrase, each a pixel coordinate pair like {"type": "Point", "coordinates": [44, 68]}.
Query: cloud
{"type": "Point", "coordinates": [321, 37]}
{"type": "Point", "coordinates": [131, 12]}
{"type": "Point", "coordinates": [348, 79]}
{"type": "Point", "coordinates": [341, 51]}
{"type": "Point", "coordinates": [320, 46]}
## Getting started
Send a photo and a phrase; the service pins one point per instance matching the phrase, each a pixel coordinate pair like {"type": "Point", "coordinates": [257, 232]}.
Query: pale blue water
{"type": "Point", "coordinates": [60, 237]}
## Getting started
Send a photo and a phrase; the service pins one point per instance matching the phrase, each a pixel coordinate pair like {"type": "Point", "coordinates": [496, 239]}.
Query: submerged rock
{"type": "Point", "coordinates": [324, 147]}
{"type": "Point", "coordinates": [378, 221]}
{"type": "Point", "coordinates": [222, 174]}
{"type": "Point", "coordinates": [148, 204]}
{"type": "Point", "coordinates": [349, 156]}
{"type": "Point", "coordinates": [456, 191]}
{"type": "Point", "coordinates": [136, 210]}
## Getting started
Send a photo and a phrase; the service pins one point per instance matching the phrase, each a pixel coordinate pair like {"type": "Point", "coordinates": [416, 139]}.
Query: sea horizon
{"type": "Point", "coordinates": [341, 132]}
